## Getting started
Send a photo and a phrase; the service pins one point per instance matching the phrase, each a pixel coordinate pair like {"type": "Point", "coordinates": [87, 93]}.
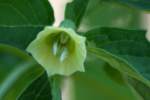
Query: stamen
{"type": "Point", "coordinates": [55, 48]}
{"type": "Point", "coordinates": [59, 48]}
{"type": "Point", "coordinates": [63, 55]}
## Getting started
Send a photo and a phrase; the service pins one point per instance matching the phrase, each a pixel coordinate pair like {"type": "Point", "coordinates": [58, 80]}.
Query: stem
{"type": "Point", "coordinates": [56, 87]}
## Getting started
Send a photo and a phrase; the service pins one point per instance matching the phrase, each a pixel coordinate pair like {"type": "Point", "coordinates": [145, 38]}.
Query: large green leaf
{"type": "Point", "coordinates": [102, 13]}
{"type": "Point", "coordinates": [19, 36]}
{"type": "Point", "coordinates": [125, 50]}
{"type": "Point", "coordinates": [75, 10]}
{"type": "Point", "coordinates": [19, 79]}
{"type": "Point", "coordinates": [9, 58]}
{"type": "Point", "coordinates": [101, 82]}
{"type": "Point", "coordinates": [25, 12]}
{"type": "Point", "coordinates": [18, 71]}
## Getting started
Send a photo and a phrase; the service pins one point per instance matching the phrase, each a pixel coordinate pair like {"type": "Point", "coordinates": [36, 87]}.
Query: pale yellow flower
{"type": "Point", "coordinates": [59, 50]}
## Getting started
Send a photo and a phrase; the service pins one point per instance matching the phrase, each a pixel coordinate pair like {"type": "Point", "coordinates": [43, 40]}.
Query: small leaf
{"type": "Point", "coordinates": [25, 12]}
{"type": "Point", "coordinates": [125, 50]}
{"type": "Point", "coordinates": [75, 10]}
{"type": "Point", "coordinates": [19, 36]}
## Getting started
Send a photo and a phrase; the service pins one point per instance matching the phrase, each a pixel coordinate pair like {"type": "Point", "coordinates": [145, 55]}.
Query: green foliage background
{"type": "Point", "coordinates": [118, 62]}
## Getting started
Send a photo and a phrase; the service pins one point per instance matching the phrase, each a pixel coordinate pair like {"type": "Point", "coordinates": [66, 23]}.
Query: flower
{"type": "Point", "coordinates": [59, 50]}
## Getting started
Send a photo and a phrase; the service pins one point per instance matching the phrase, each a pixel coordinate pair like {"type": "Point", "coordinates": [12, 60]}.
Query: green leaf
{"type": "Point", "coordinates": [38, 90]}
{"type": "Point", "coordinates": [9, 58]}
{"type": "Point", "coordinates": [18, 80]}
{"type": "Point", "coordinates": [22, 71]}
{"type": "Point", "coordinates": [43, 88]}
{"type": "Point", "coordinates": [141, 88]}
{"type": "Point", "coordinates": [101, 82]}
{"type": "Point", "coordinates": [142, 4]}
{"type": "Point", "coordinates": [101, 13]}
{"type": "Point", "coordinates": [25, 12]}
{"type": "Point", "coordinates": [75, 10]}
{"type": "Point", "coordinates": [125, 50]}
{"type": "Point", "coordinates": [19, 36]}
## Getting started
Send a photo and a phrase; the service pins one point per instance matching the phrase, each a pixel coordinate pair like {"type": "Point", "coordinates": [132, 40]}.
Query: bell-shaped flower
{"type": "Point", "coordinates": [59, 50]}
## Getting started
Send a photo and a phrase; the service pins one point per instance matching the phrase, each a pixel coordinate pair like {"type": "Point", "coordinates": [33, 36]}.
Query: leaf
{"type": "Point", "coordinates": [38, 90]}
{"type": "Point", "coordinates": [22, 71]}
{"type": "Point", "coordinates": [122, 50]}
{"type": "Point", "coordinates": [42, 88]}
{"type": "Point", "coordinates": [141, 88]}
{"type": "Point", "coordinates": [75, 10]}
{"type": "Point", "coordinates": [104, 13]}
{"type": "Point", "coordinates": [142, 4]}
{"type": "Point", "coordinates": [18, 80]}
{"type": "Point", "coordinates": [25, 12]}
{"type": "Point", "coordinates": [9, 58]}
{"type": "Point", "coordinates": [19, 36]}
{"type": "Point", "coordinates": [101, 82]}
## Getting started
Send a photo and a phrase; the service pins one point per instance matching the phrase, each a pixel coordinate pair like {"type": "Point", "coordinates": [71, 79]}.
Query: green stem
{"type": "Point", "coordinates": [55, 82]}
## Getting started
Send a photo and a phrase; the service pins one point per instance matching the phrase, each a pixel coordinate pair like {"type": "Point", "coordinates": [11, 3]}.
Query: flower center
{"type": "Point", "coordinates": [60, 46]}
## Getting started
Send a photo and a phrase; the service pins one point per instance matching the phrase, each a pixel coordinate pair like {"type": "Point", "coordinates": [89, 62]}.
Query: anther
{"type": "Point", "coordinates": [63, 55]}
{"type": "Point", "coordinates": [59, 48]}
{"type": "Point", "coordinates": [55, 48]}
